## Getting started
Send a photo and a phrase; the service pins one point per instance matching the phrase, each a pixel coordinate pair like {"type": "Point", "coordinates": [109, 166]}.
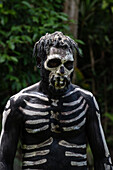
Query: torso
{"type": "Point", "coordinates": [54, 136]}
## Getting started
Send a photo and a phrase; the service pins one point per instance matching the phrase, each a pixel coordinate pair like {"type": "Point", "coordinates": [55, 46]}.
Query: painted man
{"type": "Point", "coordinates": [53, 118]}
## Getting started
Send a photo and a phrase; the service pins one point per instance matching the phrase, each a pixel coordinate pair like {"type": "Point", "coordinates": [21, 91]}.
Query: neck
{"type": "Point", "coordinates": [50, 91]}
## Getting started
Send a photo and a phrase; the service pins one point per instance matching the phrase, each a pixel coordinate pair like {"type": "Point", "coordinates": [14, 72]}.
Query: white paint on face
{"type": "Point", "coordinates": [64, 56]}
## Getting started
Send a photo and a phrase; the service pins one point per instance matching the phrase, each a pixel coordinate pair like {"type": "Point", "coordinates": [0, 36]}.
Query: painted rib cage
{"type": "Point", "coordinates": [65, 115]}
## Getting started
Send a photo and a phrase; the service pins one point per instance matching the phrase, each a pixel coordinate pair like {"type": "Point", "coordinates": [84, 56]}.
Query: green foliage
{"type": "Point", "coordinates": [80, 79]}
{"type": "Point", "coordinates": [22, 23]}
{"type": "Point", "coordinates": [96, 31]}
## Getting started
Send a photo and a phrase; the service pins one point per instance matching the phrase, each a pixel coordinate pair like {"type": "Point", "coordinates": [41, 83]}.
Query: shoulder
{"type": "Point", "coordinates": [17, 100]}
{"type": "Point", "coordinates": [83, 92]}
{"type": "Point", "coordinates": [88, 96]}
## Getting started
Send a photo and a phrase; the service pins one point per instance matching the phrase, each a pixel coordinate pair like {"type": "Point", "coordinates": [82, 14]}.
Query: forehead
{"type": "Point", "coordinates": [63, 54]}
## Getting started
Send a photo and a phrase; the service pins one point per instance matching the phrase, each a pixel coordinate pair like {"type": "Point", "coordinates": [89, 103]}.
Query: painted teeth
{"type": "Point", "coordinates": [61, 79]}
{"type": "Point", "coordinates": [61, 82]}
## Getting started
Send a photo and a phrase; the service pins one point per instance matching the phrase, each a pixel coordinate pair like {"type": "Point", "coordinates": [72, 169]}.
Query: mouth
{"type": "Point", "coordinates": [58, 82]}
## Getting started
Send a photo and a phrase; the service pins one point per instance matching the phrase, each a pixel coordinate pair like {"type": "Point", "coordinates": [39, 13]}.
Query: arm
{"type": "Point", "coordinates": [102, 159]}
{"type": "Point", "coordinates": [9, 136]}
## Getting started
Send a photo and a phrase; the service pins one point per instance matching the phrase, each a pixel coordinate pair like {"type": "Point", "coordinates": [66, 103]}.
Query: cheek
{"type": "Point", "coordinates": [68, 72]}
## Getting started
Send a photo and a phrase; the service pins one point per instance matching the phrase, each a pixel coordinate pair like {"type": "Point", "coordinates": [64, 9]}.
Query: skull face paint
{"type": "Point", "coordinates": [60, 64]}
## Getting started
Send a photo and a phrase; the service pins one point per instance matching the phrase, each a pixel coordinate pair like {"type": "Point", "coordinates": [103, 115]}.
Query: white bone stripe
{"type": "Point", "coordinates": [96, 104]}
{"type": "Point", "coordinates": [36, 153]}
{"type": "Point", "coordinates": [36, 95]}
{"type": "Point", "coordinates": [78, 108]}
{"type": "Point", "coordinates": [71, 145]}
{"type": "Point", "coordinates": [31, 163]}
{"type": "Point", "coordinates": [44, 98]}
{"type": "Point", "coordinates": [68, 94]}
{"type": "Point", "coordinates": [5, 115]}
{"type": "Point", "coordinates": [67, 153]}
{"type": "Point", "coordinates": [54, 128]}
{"type": "Point", "coordinates": [103, 138]}
{"type": "Point", "coordinates": [37, 130]}
{"type": "Point", "coordinates": [75, 127]}
{"type": "Point", "coordinates": [78, 89]}
{"type": "Point", "coordinates": [8, 104]}
{"type": "Point", "coordinates": [34, 105]}
{"type": "Point", "coordinates": [43, 144]}
{"type": "Point", "coordinates": [36, 121]}
{"type": "Point", "coordinates": [76, 118]}
{"type": "Point", "coordinates": [31, 112]}
{"type": "Point", "coordinates": [74, 102]}
{"type": "Point", "coordinates": [74, 163]}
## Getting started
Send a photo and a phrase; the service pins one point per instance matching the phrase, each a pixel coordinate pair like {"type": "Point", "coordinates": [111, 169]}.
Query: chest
{"type": "Point", "coordinates": [62, 115]}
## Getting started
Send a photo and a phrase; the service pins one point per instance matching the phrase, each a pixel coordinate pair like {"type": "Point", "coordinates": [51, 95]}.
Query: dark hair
{"type": "Point", "coordinates": [56, 39]}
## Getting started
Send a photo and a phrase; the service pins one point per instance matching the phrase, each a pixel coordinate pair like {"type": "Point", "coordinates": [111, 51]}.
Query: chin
{"type": "Point", "coordinates": [59, 89]}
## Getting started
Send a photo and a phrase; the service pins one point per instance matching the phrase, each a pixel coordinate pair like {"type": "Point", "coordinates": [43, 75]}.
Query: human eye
{"type": "Point", "coordinates": [53, 63]}
{"type": "Point", "coordinates": [68, 65]}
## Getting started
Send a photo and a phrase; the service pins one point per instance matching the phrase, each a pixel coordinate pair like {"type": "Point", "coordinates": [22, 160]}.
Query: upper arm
{"type": "Point", "coordinates": [11, 127]}
{"type": "Point", "coordinates": [96, 136]}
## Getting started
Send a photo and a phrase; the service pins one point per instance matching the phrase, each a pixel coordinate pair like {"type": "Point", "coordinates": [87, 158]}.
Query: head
{"type": "Point", "coordinates": [55, 56]}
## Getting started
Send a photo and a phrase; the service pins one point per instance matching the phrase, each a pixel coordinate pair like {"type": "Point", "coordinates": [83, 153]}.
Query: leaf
{"type": "Point", "coordinates": [79, 41]}
{"type": "Point", "coordinates": [26, 38]}
{"type": "Point", "coordinates": [1, 5]}
{"type": "Point", "coordinates": [27, 4]}
{"type": "Point", "coordinates": [14, 59]}
{"type": "Point", "coordinates": [2, 59]}
{"type": "Point", "coordinates": [11, 45]}
{"type": "Point", "coordinates": [110, 116]}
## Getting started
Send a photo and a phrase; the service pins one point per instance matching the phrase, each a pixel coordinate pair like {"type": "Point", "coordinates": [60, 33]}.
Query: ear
{"type": "Point", "coordinates": [35, 54]}
{"type": "Point", "coordinates": [38, 61]}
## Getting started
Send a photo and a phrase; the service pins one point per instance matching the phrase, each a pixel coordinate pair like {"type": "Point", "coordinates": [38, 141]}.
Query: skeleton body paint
{"type": "Point", "coordinates": [54, 128]}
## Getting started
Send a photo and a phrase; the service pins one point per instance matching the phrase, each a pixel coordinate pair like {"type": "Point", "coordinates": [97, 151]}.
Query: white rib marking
{"type": "Point", "coordinates": [75, 110]}
{"type": "Point", "coordinates": [40, 145]}
{"type": "Point", "coordinates": [74, 163]}
{"type": "Point", "coordinates": [67, 153]}
{"type": "Point", "coordinates": [74, 102]}
{"type": "Point", "coordinates": [37, 96]}
{"type": "Point", "coordinates": [31, 112]}
{"type": "Point", "coordinates": [75, 127]}
{"type": "Point", "coordinates": [37, 130]}
{"type": "Point", "coordinates": [76, 118]}
{"type": "Point", "coordinates": [71, 145]}
{"type": "Point", "coordinates": [36, 153]}
{"type": "Point", "coordinates": [36, 105]}
{"type": "Point", "coordinates": [31, 163]}
{"type": "Point", "coordinates": [44, 98]}
{"type": "Point", "coordinates": [36, 121]}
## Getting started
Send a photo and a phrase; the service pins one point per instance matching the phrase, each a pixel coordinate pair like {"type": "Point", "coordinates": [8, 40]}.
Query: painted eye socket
{"type": "Point", "coordinates": [53, 63]}
{"type": "Point", "coordinates": [69, 65]}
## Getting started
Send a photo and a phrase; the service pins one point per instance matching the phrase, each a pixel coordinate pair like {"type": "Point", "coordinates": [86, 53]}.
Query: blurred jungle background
{"type": "Point", "coordinates": [88, 22]}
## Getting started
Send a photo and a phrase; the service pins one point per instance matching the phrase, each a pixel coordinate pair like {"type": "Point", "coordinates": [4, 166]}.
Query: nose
{"type": "Point", "coordinates": [62, 70]}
